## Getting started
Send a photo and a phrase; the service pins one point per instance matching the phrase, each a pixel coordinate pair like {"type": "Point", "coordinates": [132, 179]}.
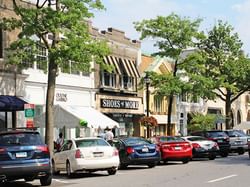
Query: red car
{"type": "Point", "coordinates": [173, 148]}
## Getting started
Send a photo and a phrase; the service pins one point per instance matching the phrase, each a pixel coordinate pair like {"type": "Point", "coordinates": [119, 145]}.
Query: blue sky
{"type": "Point", "coordinates": [121, 14]}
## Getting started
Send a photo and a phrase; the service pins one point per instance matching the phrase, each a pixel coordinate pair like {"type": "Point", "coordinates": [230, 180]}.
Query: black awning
{"type": "Point", "coordinates": [11, 103]}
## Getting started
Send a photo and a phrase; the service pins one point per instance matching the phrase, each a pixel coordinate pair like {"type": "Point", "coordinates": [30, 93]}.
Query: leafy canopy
{"type": "Point", "coordinates": [66, 22]}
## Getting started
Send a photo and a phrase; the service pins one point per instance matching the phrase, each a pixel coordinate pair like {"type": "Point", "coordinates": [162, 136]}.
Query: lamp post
{"type": "Point", "coordinates": [147, 82]}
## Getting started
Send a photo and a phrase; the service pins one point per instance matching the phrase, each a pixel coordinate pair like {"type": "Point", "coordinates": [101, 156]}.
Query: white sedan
{"type": "Point", "coordinates": [203, 147]}
{"type": "Point", "coordinates": [86, 155]}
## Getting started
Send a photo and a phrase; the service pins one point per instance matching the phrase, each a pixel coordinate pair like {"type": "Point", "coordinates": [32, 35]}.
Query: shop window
{"type": "Point", "coordinates": [41, 57]}
{"type": "Point", "coordinates": [158, 103]}
{"type": "Point", "coordinates": [108, 79]}
{"type": "Point", "coordinates": [127, 83]}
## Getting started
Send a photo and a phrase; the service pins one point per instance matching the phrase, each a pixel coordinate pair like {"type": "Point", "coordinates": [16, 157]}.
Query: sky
{"type": "Point", "coordinates": [121, 14]}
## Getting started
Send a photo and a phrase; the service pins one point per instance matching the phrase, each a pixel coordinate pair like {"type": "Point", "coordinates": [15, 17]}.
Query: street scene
{"type": "Point", "coordinates": [124, 93]}
{"type": "Point", "coordinates": [224, 172]}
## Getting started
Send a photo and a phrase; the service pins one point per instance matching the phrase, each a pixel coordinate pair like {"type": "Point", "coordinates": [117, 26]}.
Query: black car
{"type": "Point", "coordinates": [218, 136]}
{"type": "Point", "coordinates": [137, 151]}
{"type": "Point", "coordinates": [23, 155]}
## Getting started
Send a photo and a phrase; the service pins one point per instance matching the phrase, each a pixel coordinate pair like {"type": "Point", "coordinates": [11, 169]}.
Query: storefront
{"type": "Point", "coordinates": [127, 111]}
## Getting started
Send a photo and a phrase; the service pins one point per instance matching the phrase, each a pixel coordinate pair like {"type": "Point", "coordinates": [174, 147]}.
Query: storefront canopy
{"type": "Point", "coordinates": [11, 103]}
{"type": "Point", "coordinates": [71, 116]}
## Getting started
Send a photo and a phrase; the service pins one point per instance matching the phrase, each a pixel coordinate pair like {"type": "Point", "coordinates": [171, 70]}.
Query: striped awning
{"type": "Point", "coordinates": [122, 66]}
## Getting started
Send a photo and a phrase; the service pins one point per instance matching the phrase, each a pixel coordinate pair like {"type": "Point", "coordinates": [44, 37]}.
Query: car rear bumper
{"type": "Point", "coordinates": [176, 154]}
{"type": "Point", "coordinates": [16, 171]}
{"type": "Point", "coordinates": [141, 160]}
{"type": "Point", "coordinates": [205, 153]}
{"type": "Point", "coordinates": [95, 164]}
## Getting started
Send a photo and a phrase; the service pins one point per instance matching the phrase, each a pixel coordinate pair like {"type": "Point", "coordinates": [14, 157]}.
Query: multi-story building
{"type": "Point", "coordinates": [158, 105]}
{"type": "Point", "coordinates": [117, 91]}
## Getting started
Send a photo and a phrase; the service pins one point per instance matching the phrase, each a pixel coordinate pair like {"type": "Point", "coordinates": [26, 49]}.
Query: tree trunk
{"type": "Point", "coordinates": [169, 129]}
{"type": "Point", "coordinates": [228, 110]}
{"type": "Point", "coordinates": [49, 122]}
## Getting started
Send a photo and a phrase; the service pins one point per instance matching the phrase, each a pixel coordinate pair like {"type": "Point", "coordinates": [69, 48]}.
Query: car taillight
{"type": "Point", "coordinates": [166, 146]}
{"type": "Point", "coordinates": [78, 154]}
{"type": "Point", "coordinates": [216, 145]}
{"type": "Point", "coordinates": [2, 150]}
{"type": "Point", "coordinates": [196, 145]}
{"type": "Point", "coordinates": [44, 148]}
{"type": "Point", "coordinates": [115, 152]}
{"type": "Point", "coordinates": [130, 150]}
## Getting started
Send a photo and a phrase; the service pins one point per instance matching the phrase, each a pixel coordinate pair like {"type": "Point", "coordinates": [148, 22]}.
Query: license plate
{"type": "Point", "coordinates": [21, 155]}
{"type": "Point", "coordinates": [177, 148]}
{"type": "Point", "coordinates": [98, 154]}
{"type": "Point", "coordinates": [220, 141]}
{"type": "Point", "coordinates": [145, 149]}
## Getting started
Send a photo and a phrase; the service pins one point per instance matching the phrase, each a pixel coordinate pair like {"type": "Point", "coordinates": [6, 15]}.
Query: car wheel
{"type": "Point", "coordinates": [123, 166]}
{"type": "Point", "coordinates": [112, 171]}
{"type": "Point", "coordinates": [241, 151]}
{"type": "Point", "coordinates": [54, 171]}
{"type": "Point", "coordinates": [46, 180]}
{"type": "Point", "coordinates": [185, 161]}
{"type": "Point", "coordinates": [68, 169]}
{"type": "Point", "coordinates": [224, 154]}
{"type": "Point", "coordinates": [211, 157]}
{"type": "Point", "coordinates": [152, 165]}
{"type": "Point", "coordinates": [28, 179]}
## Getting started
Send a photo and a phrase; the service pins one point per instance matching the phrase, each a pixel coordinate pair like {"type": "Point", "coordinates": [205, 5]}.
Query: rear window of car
{"type": "Point", "coordinates": [91, 143]}
{"type": "Point", "coordinates": [135, 141]}
{"type": "Point", "coordinates": [171, 139]}
{"type": "Point", "coordinates": [216, 134]}
{"type": "Point", "coordinates": [235, 134]}
{"type": "Point", "coordinates": [14, 139]}
{"type": "Point", "coordinates": [197, 138]}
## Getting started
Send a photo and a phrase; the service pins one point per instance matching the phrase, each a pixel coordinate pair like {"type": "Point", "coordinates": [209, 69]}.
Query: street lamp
{"type": "Point", "coordinates": [147, 82]}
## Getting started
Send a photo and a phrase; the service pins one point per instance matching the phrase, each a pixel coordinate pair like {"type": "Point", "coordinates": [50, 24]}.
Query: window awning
{"type": "Point", "coordinates": [11, 103]}
{"type": "Point", "coordinates": [122, 66]}
{"type": "Point", "coordinates": [70, 117]}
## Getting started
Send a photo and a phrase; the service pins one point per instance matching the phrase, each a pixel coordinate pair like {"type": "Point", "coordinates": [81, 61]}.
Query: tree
{"type": "Point", "coordinates": [202, 122]}
{"type": "Point", "coordinates": [220, 67]}
{"type": "Point", "coordinates": [66, 23]}
{"type": "Point", "coordinates": [173, 34]}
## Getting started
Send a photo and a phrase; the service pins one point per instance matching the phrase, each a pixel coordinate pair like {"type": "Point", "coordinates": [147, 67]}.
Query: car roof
{"type": "Point", "coordinates": [18, 131]}
{"type": "Point", "coordinates": [86, 138]}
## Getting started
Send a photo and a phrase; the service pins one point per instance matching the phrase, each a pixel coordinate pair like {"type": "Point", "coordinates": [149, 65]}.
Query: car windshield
{"type": "Point", "coordinates": [13, 139]}
{"type": "Point", "coordinates": [196, 138]}
{"type": "Point", "coordinates": [171, 139]}
{"type": "Point", "coordinates": [91, 143]}
{"type": "Point", "coordinates": [216, 134]}
{"type": "Point", "coordinates": [135, 141]}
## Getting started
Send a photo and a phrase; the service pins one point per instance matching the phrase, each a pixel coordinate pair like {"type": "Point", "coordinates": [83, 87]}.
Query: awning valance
{"type": "Point", "coordinates": [70, 117]}
{"type": "Point", "coordinates": [11, 103]}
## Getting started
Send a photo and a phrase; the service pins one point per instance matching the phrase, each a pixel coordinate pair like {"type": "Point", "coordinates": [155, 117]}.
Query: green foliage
{"type": "Point", "coordinates": [202, 122]}
{"type": "Point", "coordinates": [173, 33]}
{"type": "Point", "coordinates": [68, 28]}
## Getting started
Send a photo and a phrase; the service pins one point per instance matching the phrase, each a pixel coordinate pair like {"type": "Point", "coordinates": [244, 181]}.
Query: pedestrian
{"type": "Point", "coordinates": [109, 136]}
{"type": "Point", "coordinates": [59, 141]}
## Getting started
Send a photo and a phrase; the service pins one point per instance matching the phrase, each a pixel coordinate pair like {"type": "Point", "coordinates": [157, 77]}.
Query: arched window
{"type": "Point", "coordinates": [238, 117]}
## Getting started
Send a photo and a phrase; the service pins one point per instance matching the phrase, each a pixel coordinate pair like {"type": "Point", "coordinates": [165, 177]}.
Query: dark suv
{"type": "Point", "coordinates": [218, 136]}
{"type": "Point", "coordinates": [23, 155]}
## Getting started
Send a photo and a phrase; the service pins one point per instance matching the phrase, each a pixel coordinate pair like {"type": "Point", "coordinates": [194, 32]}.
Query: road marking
{"type": "Point", "coordinates": [61, 181]}
{"type": "Point", "coordinates": [222, 178]}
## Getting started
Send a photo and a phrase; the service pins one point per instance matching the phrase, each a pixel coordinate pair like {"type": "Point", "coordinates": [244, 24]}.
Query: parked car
{"type": "Point", "coordinates": [137, 151]}
{"type": "Point", "coordinates": [86, 155]}
{"type": "Point", "coordinates": [219, 136]}
{"type": "Point", "coordinates": [23, 155]}
{"type": "Point", "coordinates": [203, 147]}
{"type": "Point", "coordinates": [238, 141]}
{"type": "Point", "coordinates": [173, 148]}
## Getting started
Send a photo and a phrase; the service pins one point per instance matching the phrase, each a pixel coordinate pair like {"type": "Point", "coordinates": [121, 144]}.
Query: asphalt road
{"type": "Point", "coordinates": [232, 171]}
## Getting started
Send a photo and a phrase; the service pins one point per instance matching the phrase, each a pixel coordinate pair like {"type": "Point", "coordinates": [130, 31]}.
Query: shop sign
{"type": "Point", "coordinates": [119, 104]}
{"type": "Point", "coordinates": [61, 97]}
{"type": "Point", "coordinates": [29, 110]}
